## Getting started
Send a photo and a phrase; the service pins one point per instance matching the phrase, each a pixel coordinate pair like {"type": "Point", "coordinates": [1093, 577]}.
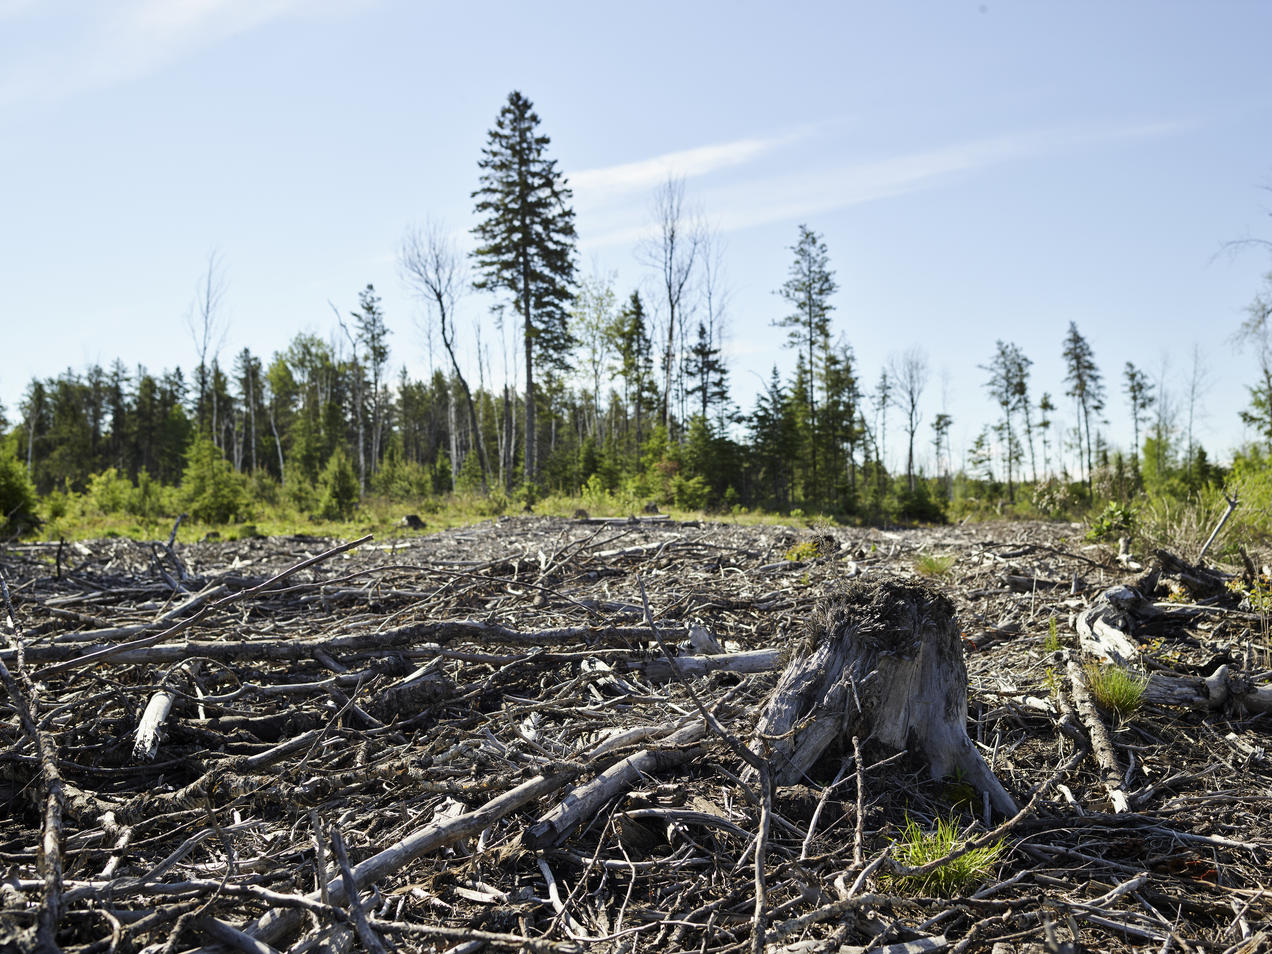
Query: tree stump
{"type": "Point", "coordinates": [882, 661]}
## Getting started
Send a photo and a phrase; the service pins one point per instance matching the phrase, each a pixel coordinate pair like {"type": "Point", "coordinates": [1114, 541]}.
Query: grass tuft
{"type": "Point", "coordinates": [931, 565]}
{"type": "Point", "coordinates": [917, 847]}
{"type": "Point", "coordinates": [1053, 642]}
{"type": "Point", "coordinates": [801, 552]}
{"type": "Point", "coordinates": [1116, 689]}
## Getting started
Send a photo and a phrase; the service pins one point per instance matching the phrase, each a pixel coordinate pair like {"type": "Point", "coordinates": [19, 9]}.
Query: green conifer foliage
{"type": "Point", "coordinates": [210, 489]}
{"type": "Point", "coordinates": [526, 244]}
{"type": "Point", "coordinates": [338, 488]}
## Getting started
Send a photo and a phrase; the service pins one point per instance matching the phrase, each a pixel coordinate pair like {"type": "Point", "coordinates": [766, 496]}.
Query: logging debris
{"type": "Point", "coordinates": [474, 739]}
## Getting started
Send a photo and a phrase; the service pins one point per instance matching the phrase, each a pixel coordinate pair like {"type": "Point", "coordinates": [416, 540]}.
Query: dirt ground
{"type": "Point", "coordinates": [484, 727]}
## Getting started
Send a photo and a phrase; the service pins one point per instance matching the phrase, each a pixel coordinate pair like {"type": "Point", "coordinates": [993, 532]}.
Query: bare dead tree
{"type": "Point", "coordinates": [910, 376]}
{"type": "Point", "coordinates": [208, 328]}
{"type": "Point", "coordinates": [673, 251]}
{"type": "Point", "coordinates": [592, 324]}
{"type": "Point", "coordinates": [432, 265]}
{"type": "Point", "coordinates": [715, 295]}
{"type": "Point", "coordinates": [1199, 382]}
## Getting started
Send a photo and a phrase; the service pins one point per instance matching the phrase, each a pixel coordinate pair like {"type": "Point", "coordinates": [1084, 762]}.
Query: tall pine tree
{"type": "Point", "coordinates": [1086, 387]}
{"type": "Point", "coordinates": [807, 290]}
{"type": "Point", "coordinates": [527, 237]}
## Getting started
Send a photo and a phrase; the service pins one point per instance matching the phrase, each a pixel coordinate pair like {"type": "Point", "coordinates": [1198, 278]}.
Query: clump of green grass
{"type": "Point", "coordinates": [1053, 642]}
{"type": "Point", "coordinates": [931, 565]}
{"type": "Point", "coordinates": [1115, 689]}
{"type": "Point", "coordinates": [916, 847]}
{"type": "Point", "coordinates": [805, 550]}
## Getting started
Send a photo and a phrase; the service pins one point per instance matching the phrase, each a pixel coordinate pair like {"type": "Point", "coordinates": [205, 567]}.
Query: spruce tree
{"type": "Point", "coordinates": [705, 368]}
{"type": "Point", "coordinates": [635, 362]}
{"type": "Point", "coordinates": [807, 290]}
{"type": "Point", "coordinates": [1139, 393]}
{"type": "Point", "coordinates": [526, 242]}
{"type": "Point", "coordinates": [1086, 387]}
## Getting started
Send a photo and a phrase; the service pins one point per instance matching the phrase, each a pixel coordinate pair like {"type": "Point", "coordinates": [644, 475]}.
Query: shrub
{"type": "Point", "coordinates": [1056, 498]}
{"type": "Point", "coordinates": [110, 492]}
{"type": "Point", "coordinates": [149, 497]}
{"type": "Point", "coordinates": [470, 478]}
{"type": "Point", "coordinates": [264, 488]}
{"type": "Point", "coordinates": [689, 493]}
{"type": "Point", "coordinates": [210, 489]}
{"type": "Point", "coordinates": [338, 490]}
{"type": "Point", "coordinates": [17, 495]}
{"type": "Point", "coordinates": [1053, 642]}
{"type": "Point", "coordinates": [1116, 519]}
{"type": "Point", "coordinates": [804, 550]}
{"type": "Point", "coordinates": [300, 493]}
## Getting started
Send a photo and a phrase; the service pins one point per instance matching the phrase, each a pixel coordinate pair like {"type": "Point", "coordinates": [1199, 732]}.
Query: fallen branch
{"type": "Point", "coordinates": [1101, 746]}
{"type": "Point", "coordinates": [108, 652]}
{"type": "Point", "coordinates": [278, 923]}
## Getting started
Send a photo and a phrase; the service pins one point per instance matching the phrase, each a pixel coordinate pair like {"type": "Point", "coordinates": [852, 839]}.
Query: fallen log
{"type": "Point", "coordinates": [1101, 745]}
{"type": "Point", "coordinates": [1103, 627]}
{"type": "Point", "coordinates": [582, 804]}
{"type": "Point", "coordinates": [883, 661]}
{"type": "Point", "coordinates": [1222, 688]}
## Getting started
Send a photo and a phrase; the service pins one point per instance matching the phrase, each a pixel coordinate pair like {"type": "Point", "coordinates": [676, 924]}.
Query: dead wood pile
{"type": "Point", "coordinates": [475, 740]}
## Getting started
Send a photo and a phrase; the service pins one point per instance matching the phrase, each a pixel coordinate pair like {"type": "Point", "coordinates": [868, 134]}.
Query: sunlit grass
{"type": "Point", "coordinates": [77, 519]}
{"type": "Point", "coordinates": [1053, 642]}
{"type": "Point", "coordinates": [933, 566]}
{"type": "Point", "coordinates": [1115, 688]}
{"type": "Point", "coordinates": [916, 847]}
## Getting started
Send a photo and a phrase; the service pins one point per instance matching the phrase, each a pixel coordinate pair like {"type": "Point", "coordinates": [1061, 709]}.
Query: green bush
{"type": "Point", "coordinates": [210, 490]}
{"type": "Point", "coordinates": [469, 479]}
{"type": "Point", "coordinates": [17, 495]}
{"type": "Point", "coordinates": [338, 491]}
{"type": "Point", "coordinates": [264, 488]}
{"type": "Point", "coordinates": [1054, 497]}
{"type": "Point", "coordinates": [299, 492]}
{"type": "Point", "coordinates": [150, 498]}
{"type": "Point", "coordinates": [689, 493]}
{"type": "Point", "coordinates": [110, 492]}
{"type": "Point", "coordinates": [1115, 520]}
{"type": "Point", "coordinates": [918, 504]}
{"type": "Point", "coordinates": [400, 479]}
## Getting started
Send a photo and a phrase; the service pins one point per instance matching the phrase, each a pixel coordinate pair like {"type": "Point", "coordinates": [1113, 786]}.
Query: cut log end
{"type": "Point", "coordinates": [882, 661]}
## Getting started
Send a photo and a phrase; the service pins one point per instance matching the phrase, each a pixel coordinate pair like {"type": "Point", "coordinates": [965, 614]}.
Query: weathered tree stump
{"type": "Point", "coordinates": [883, 661]}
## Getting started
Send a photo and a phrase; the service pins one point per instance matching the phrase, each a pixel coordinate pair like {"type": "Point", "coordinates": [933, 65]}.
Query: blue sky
{"type": "Point", "coordinates": [978, 171]}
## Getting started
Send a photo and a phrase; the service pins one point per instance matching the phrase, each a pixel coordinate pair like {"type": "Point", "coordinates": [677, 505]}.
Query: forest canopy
{"type": "Point", "coordinates": [623, 397]}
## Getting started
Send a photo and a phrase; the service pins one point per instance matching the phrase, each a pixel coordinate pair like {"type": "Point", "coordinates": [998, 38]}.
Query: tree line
{"type": "Point", "coordinates": [618, 393]}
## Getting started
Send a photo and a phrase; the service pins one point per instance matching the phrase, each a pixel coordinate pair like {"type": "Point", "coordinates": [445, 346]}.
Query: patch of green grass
{"type": "Point", "coordinates": [805, 550]}
{"type": "Point", "coordinates": [916, 847]}
{"type": "Point", "coordinates": [1053, 642]}
{"type": "Point", "coordinates": [1116, 689]}
{"type": "Point", "coordinates": [933, 566]}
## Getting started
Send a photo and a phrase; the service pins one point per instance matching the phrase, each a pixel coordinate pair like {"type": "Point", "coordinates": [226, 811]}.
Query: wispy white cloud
{"type": "Point", "coordinates": [800, 193]}
{"type": "Point", "coordinates": [71, 48]}
{"type": "Point", "coordinates": [608, 182]}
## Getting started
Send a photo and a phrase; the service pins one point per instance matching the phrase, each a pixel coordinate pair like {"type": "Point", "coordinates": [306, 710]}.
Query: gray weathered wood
{"type": "Point", "coordinates": [884, 661]}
